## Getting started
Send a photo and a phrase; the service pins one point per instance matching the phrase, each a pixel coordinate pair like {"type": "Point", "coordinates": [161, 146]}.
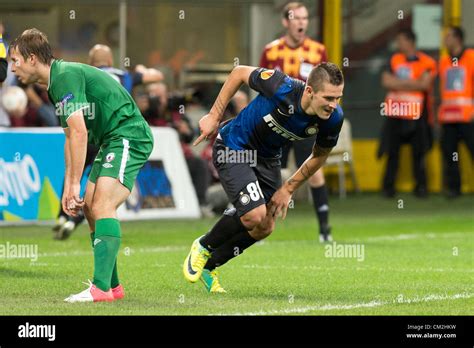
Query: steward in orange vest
{"type": "Point", "coordinates": [407, 101]}
{"type": "Point", "coordinates": [407, 108]}
{"type": "Point", "coordinates": [457, 87]}
{"type": "Point", "coordinates": [456, 111]}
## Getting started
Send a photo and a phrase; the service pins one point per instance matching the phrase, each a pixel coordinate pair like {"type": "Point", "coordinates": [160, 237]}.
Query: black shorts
{"type": "Point", "coordinates": [303, 149]}
{"type": "Point", "coordinates": [248, 184]}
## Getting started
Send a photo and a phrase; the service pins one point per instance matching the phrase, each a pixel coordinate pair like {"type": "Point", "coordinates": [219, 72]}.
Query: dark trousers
{"type": "Point", "coordinates": [452, 133]}
{"type": "Point", "coordinates": [200, 176]}
{"type": "Point", "coordinates": [404, 131]}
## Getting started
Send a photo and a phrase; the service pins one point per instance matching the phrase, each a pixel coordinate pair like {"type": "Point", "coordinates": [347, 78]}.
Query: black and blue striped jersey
{"type": "Point", "coordinates": [275, 117]}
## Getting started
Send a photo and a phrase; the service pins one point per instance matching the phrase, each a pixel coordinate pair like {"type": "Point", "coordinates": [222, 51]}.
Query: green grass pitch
{"type": "Point", "coordinates": [418, 260]}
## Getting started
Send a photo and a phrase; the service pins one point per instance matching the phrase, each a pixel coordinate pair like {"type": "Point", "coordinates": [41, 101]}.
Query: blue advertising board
{"type": "Point", "coordinates": [31, 173]}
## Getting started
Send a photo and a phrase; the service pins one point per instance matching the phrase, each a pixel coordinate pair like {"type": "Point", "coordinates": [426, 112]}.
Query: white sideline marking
{"type": "Point", "coordinates": [356, 268]}
{"type": "Point", "coordinates": [160, 249]}
{"type": "Point", "coordinates": [371, 304]}
{"type": "Point", "coordinates": [409, 236]}
{"type": "Point", "coordinates": [388, 238]}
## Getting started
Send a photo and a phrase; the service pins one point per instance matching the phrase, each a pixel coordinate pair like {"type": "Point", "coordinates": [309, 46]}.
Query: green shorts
{"type": "Point", "coordinates": [124, 153]}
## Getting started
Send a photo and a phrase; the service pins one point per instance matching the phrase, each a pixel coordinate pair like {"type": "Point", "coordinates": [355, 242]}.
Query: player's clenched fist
{"type": "Point", "coordinates": [71, 201]}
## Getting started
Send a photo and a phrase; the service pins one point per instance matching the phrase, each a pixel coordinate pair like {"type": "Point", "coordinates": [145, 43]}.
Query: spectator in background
{"type": "Point", "coordinates": [296, 54]}
{"type": "Point", "coordinates": [409, 81]}
{"type": "Point", "coordinates": [161, 114]}
{"type": "Point", "coordinates": [101, 57]}
{"type": "Point", "coordinates": [39, 103]}
{"type": "Point", "coordinates": [40, 111]}
{"type": "Point", "coordinates": [456, 112]}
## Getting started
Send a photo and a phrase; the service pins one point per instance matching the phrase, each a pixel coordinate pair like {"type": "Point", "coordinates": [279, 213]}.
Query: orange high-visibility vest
{"type": "Point", "coordinates": [457, 88]}
{"type": "Point", "coordinates": [408, 104]}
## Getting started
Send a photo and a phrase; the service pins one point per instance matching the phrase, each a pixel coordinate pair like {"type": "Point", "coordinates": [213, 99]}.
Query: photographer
{"type": "Point", "coordinates": [160, 109]}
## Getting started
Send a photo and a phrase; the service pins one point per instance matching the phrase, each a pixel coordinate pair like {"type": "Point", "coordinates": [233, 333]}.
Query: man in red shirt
{"type": "Point", "coordinates": [296, 54]}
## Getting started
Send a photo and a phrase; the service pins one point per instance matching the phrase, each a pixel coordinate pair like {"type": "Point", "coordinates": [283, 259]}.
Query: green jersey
{"type": "Point", "coordinates": [103, 101]}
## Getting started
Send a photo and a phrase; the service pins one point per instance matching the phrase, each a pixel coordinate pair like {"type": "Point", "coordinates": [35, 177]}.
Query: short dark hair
{"type": "Point", "coordinates": [408, 33]}
{"type": "Point", "coordinates": [458, 32]}
{"type": "Point", "coordinates": [33, 41]}
{"type": "Point", "coordinates": [325, 72]}
{"type": "Point", "coordinates": [291, 6]}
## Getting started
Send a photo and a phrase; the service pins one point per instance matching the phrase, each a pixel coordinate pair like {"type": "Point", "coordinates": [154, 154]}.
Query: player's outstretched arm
{"type": "Point", "coordinates": [280, 200]}
{"type": "Point", "coordinates": [209, 123]}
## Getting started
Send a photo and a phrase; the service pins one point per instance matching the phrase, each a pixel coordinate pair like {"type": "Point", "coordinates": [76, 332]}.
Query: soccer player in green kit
{"type": "Point", "coordinates": [92, 107]}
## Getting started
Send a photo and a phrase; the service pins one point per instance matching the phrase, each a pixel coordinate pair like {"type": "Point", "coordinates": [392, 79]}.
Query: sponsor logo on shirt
{"type": "Point", "coordinates": [277, 128]}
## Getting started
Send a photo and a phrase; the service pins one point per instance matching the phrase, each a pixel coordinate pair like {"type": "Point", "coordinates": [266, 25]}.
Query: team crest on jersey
{"type": "Point", "coordinates": [110, 157]}
{"type": "Point", "coordinates": [244, 199]}
{"type": "Point", "coordinates": [265, 75]}
{"type": "Point", "coordinates": [312, 130]}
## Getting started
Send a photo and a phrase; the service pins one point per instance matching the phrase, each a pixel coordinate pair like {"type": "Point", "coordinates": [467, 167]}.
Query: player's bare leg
{"type": "Point", "coordinates": [317, 180]}
{"type": "Point", "coordinates": [264, 228]}
{"type": "Point", "coordinates": [106, 196]}
{"type": "Point", "coordinates": [87, 209]}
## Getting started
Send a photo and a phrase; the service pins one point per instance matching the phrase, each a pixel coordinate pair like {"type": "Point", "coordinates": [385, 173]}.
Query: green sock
{"type": "Point", "coordinates": [115, 279]}
{"type": "Point", "coordinates": [106, 247]}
